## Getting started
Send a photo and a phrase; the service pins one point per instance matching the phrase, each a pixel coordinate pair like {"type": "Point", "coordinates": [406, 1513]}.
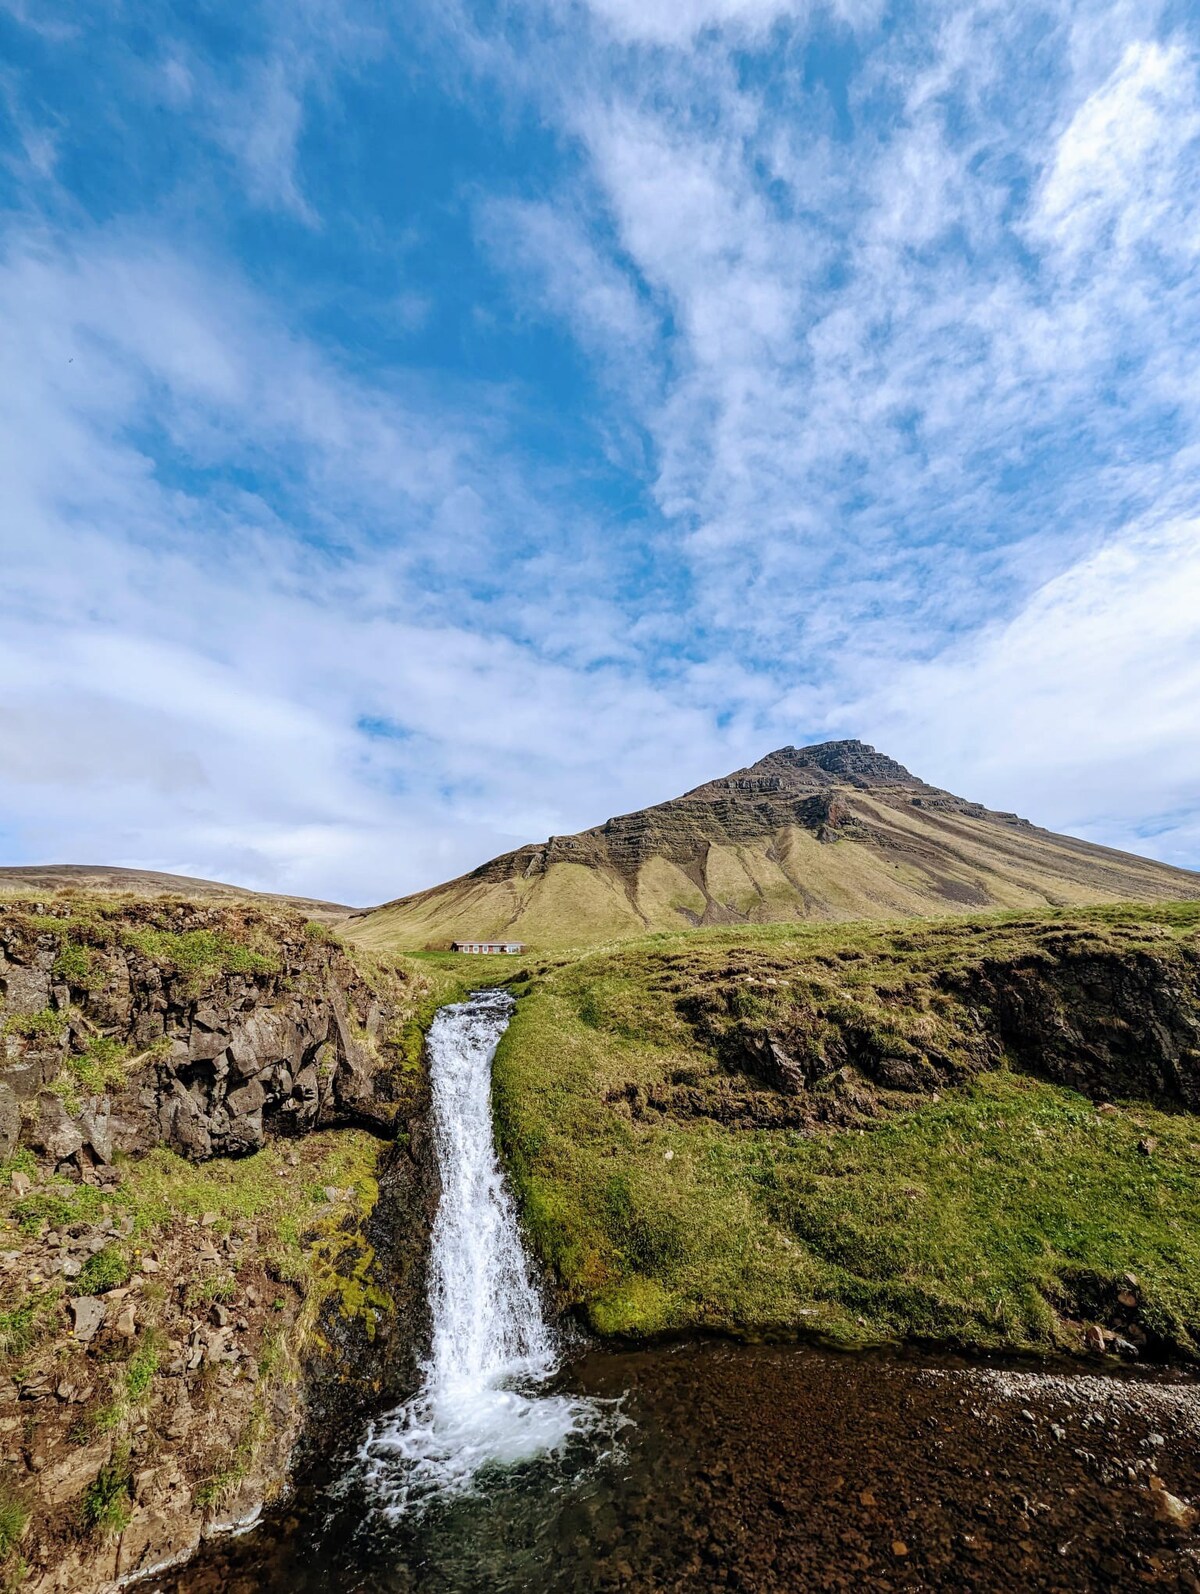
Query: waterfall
{"type": "Point", "coordinates": [479, 1402]}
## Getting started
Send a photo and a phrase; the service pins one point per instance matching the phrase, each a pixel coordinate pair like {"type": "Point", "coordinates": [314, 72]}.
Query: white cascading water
{"type": "Point", "coordinates": [478, 1403]}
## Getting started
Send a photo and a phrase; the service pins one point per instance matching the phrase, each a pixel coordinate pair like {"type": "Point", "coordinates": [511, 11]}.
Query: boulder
{"type": "Point", "coordinates": [156, 1536]}
{"type": "Point", "coordinates": [245, 1099]}
{"type": "Point", "coordinates": [204, 1044]}
{"type": "Point", "coordinates": [68, 1477]}
{"type": "Point", "coordinates": [352, 1083]}
{"type": "Point", "coordinates": [26, 988]}
{"type": "Point", "coordinates": [306, 1094]}
{"type": "Point", "coordinates": [87, 1316]}
{"type": "Point", "coordinates": [244, 1134]}
{"type": "Point", "coordinates": [1169, 1508]}
{"type": "Point", "coordinates": [10, 1122]}
{"type": "Point", "coordinates": [95, 1125]}
{"type": "Point", "coordinates": [187, 1127]}
{"type": "Point", "coordinates": [55, 1133]}
{"type": "Point", "coordinates": [25, 1078]}
{"type": "Point", "coordinates": [262, 1039]}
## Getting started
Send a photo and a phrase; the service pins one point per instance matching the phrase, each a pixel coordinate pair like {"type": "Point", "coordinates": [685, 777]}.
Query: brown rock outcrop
{"type": "Point", "coordinates": [171, 1365]}
{"type": "Point", "coordinates": [219, 1056]}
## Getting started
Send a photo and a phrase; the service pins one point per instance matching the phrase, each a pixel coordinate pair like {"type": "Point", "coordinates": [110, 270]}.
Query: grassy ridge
{"type": "Point", "coordinates": [995, 1213]}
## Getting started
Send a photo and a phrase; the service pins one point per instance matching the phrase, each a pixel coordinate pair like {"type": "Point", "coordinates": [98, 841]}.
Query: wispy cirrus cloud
{"type": "Point", "coordinates": [202, 683]}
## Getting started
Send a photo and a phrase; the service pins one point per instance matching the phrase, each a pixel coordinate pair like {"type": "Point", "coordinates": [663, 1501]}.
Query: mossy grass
{"type": "Point", "coordinates": [974, 1217]}
{"type": "Point", "coordinates": [202, 955]}
{"type": "Point", "coordinates": [108, 1500]}
{"type": "Point", "coordinates": [103, 1065]}
{"type": "Point", "coordinates": [25, 1325]}
{"type": "Point", "coordinates": [14, 1519]}
{"type": "Point", "coordinates": [108, 1269]}
{"type": "Point", "coordinates": [46, 1025]}
{"type": "Point", "coordinates": [142, 1366]}
{"type": "Point", "coordinates": [75, 965]}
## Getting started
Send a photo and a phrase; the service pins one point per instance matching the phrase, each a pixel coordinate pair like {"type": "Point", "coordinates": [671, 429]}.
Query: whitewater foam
{"type": "Point", "coordinates": [480, 1402]}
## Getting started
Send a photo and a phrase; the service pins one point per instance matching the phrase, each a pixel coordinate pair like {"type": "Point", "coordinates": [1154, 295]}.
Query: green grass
{"type": "Point", "coordinates": [14, 1519]}
{"type": "Point", "coordinates": [101, 1067]}
{"type": "Point", "coordinates": [972, 1218]}
{"type": "Point", "coordinates": [75, 965]}
{"type": "Point", "coordinates": [141, 1368]}
{"type": "Point", "coordinates": [17, 1330]}
{"type": "Point", "coordinates": [107, 1500]}
{"type": "Point", "coordinates": [107, 1270]}
{"type": "Point", "coordinates": [49, 1024]}
{"type": "Point", "coordinates": [221, 1287]}
{"type": "Point", "coordinates": [201, 954]}
{"type": "Point", "coordinates": [27, 1325]}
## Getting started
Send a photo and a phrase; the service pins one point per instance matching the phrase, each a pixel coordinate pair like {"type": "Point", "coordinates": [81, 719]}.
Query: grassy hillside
{"type": "Point", "coordinates": [846, 1131]}
{"type": "Point", "coordinates": [25, 880]}
{"type": "Point", "coordinates": [834, 833]}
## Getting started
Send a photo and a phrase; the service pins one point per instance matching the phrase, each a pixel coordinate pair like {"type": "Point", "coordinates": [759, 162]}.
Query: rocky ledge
{"type": "Point", "coordinates": [214, 1204]}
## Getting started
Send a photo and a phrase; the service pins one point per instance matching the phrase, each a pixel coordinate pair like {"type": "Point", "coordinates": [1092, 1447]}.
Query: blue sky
{"type": "Point", "coordinates": [430, 427]}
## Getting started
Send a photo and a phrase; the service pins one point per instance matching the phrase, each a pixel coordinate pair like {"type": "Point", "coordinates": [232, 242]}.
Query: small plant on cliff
{"type": "Point", "coordinates": [106, 1500]}
{"type": "Point", "coordinates": [213, 1490]}
{"type": "Point", "coordinates": [18, 1330]}
{"type": "Point", "coordinates": [101, 1067]}
{"type": "Point", "coordinates": [223, 1287]}
{"type": "Point", "coordinates": [107, 1270]}
{"type": "Point", "coordinates": [73, 965]}
{"type": "Point", "coordinates": [46, 1025]}
{"type": "Point", "coordinates": [14, 1519]}
{"type": "Point", "coordinates": [141, 1368]}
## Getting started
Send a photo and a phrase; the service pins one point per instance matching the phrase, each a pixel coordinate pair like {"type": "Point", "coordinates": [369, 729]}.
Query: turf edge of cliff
{"type": "Point", "coordinates": [980, 1133]}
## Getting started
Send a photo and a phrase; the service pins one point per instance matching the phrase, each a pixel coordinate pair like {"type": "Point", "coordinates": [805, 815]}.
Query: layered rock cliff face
{"type": "Point", "coordinates": [214, 1211]}
{"type": "Point", "coordinates": [228, 1024]}
{"type": "Point", "coordinates": [834, 831]}
{"type": "Point", "coordinates": [803, 787]}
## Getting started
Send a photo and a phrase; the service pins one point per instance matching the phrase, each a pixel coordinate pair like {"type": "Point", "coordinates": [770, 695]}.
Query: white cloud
{"type": "Point", "coordinates": [556, 266]}
{"type": "Point", "coordinates": [183, 679]}
{"type": "Point", "coordinates": [261, 126]}
{"type": "Point", "coordinates": [1080, 709]}
{"type": "Point", "coordinates": [1116, 167]}
{"type": "Point", "coordinates": [677, 22]}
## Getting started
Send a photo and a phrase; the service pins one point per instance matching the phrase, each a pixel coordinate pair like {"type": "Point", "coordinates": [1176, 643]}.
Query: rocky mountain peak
{"type": "Point", "coordinates": [809, 769]}
{"type": "Point", "coordinates": [850, 759]}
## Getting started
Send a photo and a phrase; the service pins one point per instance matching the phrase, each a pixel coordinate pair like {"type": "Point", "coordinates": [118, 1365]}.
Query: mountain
{"type": "Point", "coordinates": [834, 831]}
{"type": "Point", "coordinates": [37, 878]}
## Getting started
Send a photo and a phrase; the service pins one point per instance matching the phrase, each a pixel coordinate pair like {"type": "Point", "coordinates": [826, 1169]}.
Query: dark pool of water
{"type": "Point", "coordinates": [766, 1468]}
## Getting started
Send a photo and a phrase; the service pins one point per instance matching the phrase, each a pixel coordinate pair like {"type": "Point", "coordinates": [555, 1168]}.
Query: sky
{"type": "Point", "coordinates": [427, 427]}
